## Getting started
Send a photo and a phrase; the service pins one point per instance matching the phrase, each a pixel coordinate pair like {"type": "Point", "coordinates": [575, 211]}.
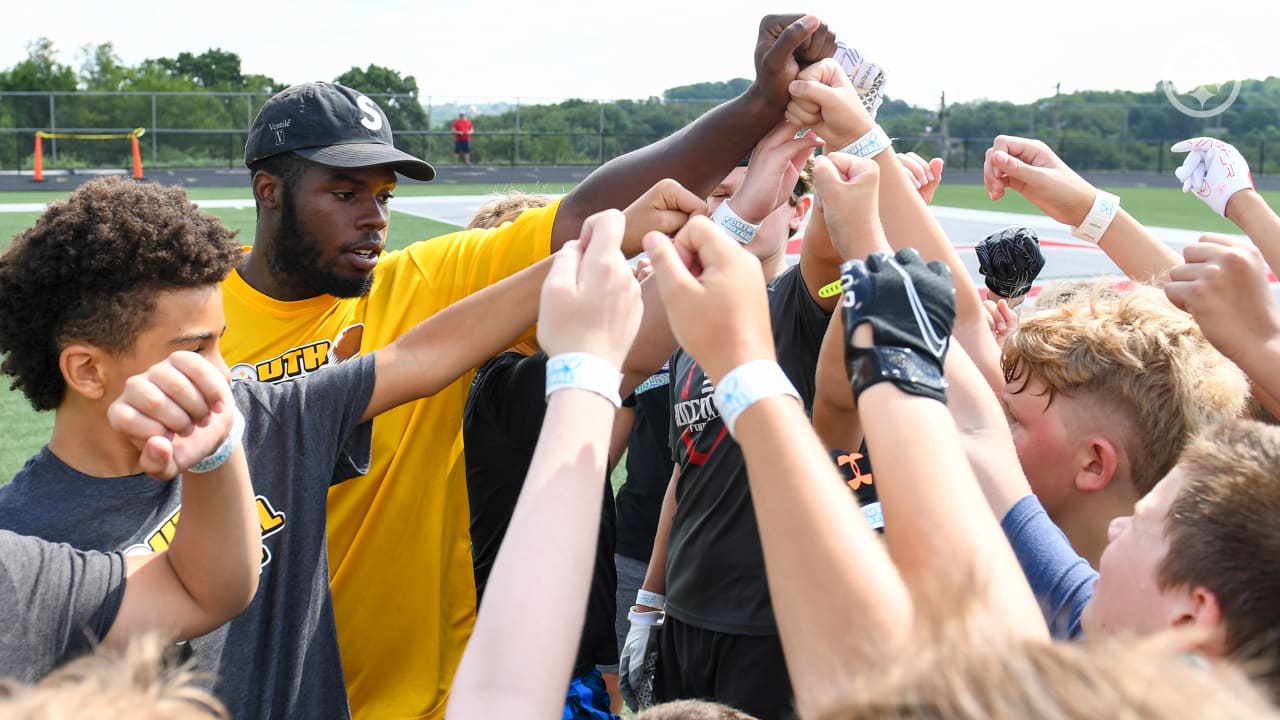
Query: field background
{"type": "Point", "coordinates": [26, 431]}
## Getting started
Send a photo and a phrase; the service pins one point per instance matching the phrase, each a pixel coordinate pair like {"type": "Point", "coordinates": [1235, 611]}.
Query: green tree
{"type": "Point", "coordinates": [213, 69]}
{"type": "Point", "coordinates": [100, 68]}
{"type": "Point", "coordinates": [40, 71]}
{"type": "Point", "coordinates": [715, 91]}
{"type": "Point", "coordinates": [404, 112]}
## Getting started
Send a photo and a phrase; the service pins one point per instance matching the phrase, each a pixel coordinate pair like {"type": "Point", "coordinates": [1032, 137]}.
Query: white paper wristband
{"type": "Point", "coordinates": [584, 371]}
{"type": "Point", "coordinates": [225, 450]}
{"type": "Point", "coordinates": [651, 599]}
{"type": "Point", "coordinates": [738, 229]}
{"type": "Point", "coordinates": [1105, 208]}
{"type": "Point", "coordinates": [746, 384]}
{"type": "Point", "coordinates": [869, 145]}
{"type": "Point", "coordinates": [651, 618]}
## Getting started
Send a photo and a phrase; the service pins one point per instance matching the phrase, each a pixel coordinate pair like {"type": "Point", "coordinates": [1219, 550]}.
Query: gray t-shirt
{"type": "Point", "coordinates": [55, 601]}
{"type": "Point", "coordinates": [279, 658]}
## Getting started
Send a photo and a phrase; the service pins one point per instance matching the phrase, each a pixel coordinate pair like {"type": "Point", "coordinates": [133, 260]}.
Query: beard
{"type": "Point", "coordinates": [294, 259]}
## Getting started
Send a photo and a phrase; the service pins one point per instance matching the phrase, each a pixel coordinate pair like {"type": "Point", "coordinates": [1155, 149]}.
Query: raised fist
{"type": "Point", "coordinates": [1213, 170]}
{"type": "Point", "coordinates": [1010, 260]}
{"type": "Point", "coordinates": [911, 307]}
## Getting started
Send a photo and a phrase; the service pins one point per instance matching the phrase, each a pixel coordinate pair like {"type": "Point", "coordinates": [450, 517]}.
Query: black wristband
{"type": "Point", "coordinates": [901, 366]}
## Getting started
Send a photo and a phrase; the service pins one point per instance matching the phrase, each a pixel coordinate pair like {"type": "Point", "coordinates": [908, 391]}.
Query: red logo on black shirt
{"type": "Point", "coordinates": [693, 415]}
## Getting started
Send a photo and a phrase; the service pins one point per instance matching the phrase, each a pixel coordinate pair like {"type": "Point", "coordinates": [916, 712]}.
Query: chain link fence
{"type": "Point", "coordinates": [208, 129]}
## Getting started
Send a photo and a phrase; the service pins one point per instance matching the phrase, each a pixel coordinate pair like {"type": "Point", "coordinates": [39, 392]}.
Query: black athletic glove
{"type": "Point", "coordinates": [911, 307]}
{"type": "Point", "coordinates": [1010, 259]}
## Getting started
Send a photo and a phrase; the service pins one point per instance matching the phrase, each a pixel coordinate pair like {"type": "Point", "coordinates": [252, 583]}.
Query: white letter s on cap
{"type": "Point", "coordinates": [373, 115]}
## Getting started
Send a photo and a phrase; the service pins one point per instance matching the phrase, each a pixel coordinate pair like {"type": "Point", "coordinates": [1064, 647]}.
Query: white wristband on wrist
{"type": "Point", "coordinates": [651, 599]}
{"type": "Point", "coordinates": [869, 145]}
{"type": "Point", "coordinates": [738, 229]}
{"type": "Point", "coordinates": [584, 371]}
{"type": "Point", "coordinates": [747, 384]}
{"type": "Point", "coordinates": [1105, 208]}
{"type": "Point", "coordinates": [649, 618]}
{"type": "Point", "coordinates": [225, 450]}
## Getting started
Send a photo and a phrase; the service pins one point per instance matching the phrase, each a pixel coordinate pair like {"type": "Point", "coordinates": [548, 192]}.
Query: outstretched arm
{"type": "Point", "coordinates": [818, 257]}
{"type": "Point", "coordinates": [1218, 174]}
{"type": "Point", "coordinates": [429, 357]}
{"type": "Point", "coordinates": [1032, 169]}
{"type": "Point", "coordinates": [1223, 284]}
{"type": "Point", "coordinates": [841, 179]}
{"type": "Point", "coordinates": [835, 417]}
{"type": "Point", "coordinates": [178, 413]}
{"type": "Point", "coordinates": [1254, 216]}
{"type": "Point", "coordinates": [589, 317]}
{"type": "Point", "coordinates": [699, 155]}
{"type": "Point", "coordinates": [634, 673]}
{"type": "Point", "coordinates": [898, 314]}
{"type": "Point", "coordinates": [984, 430]}
{"type": "Point", "coordinates": [1219, 282]}
{"type": "Point", "coordinates": [824, 99]}
{"type": "Point", "coordinates": [809, 522]}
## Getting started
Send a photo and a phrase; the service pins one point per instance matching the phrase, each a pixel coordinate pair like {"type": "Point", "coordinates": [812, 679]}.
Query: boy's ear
{"type": "Point", "coordinates": [803, 204]}
{"type": "Point", "coordinates": [82, 369]}
{"type": "Point", "coordinates": [1098, 465]}
{"type": "Point", "coordinates": [1199, 612]}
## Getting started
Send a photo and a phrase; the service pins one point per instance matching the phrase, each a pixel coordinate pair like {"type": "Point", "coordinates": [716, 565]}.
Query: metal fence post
{"type": "Point", "coordinates": [1124, 142]}
{"type": "Point", "coordinates": [53, 125]}
{"type": "Point", "coordinates": [154, 124]}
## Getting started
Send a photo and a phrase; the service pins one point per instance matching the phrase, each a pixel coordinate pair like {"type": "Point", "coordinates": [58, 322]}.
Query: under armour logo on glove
{"type": "Point", "coordinates": [1010, 260]}
{"type": "Point", "coordinates": [1213, 170]}
{"type": "Point", "coordinates": [911, 307]}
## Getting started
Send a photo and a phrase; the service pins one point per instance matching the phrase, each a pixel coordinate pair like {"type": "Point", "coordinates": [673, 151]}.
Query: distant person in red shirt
{"type": "Point", "coordinates": [462, 128]}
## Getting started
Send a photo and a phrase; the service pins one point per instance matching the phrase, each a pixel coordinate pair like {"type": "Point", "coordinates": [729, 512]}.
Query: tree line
{"type": "Point", "coordinates": [1093, 129]}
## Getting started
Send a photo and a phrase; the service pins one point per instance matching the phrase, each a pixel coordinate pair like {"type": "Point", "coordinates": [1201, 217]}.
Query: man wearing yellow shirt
{"type": "Point", "coordinates": [323, 168]}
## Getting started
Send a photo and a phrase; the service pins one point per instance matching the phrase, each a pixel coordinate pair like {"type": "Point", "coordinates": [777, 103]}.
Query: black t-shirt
{"type": "Point", "coordinates": [649, 466]}
{"type": "Point", "coordinates": [715, 565]}
{"type": "Point", "coordinates": [500, 428]}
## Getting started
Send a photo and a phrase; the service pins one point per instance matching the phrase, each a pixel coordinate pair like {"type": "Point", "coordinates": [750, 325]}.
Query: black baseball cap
{"type": "Point", "coordinates": [330, 124]}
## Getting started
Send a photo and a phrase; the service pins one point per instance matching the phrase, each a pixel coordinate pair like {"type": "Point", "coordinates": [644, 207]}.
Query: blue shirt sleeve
{"type": "Point", "coordinates": [1061, 580]}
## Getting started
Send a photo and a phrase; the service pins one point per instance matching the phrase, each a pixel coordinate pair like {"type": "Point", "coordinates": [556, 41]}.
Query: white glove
{"type": "Point", "coordinates": [1213, 170]}
{"type": "Point", "coordinates": [639, 658]}
{"type": "Point", "coordinates": [867, 77]}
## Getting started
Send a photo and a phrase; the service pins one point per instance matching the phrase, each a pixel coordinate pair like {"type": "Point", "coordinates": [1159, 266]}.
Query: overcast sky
{"type": "Point", "coordinates": [553, 49]}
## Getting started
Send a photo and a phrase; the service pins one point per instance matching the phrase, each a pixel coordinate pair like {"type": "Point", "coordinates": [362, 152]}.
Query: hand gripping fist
{"type": "Point", "coordinates": [1010, 260]}
{"type": "Point", "coordinates": [1213, 170]}
{"type": "Point", "coordinates": [866, 76]}
{"type": "Point", "coordinates": [911, 307]}
{"type": "Point", "coordinates": [176, 413]}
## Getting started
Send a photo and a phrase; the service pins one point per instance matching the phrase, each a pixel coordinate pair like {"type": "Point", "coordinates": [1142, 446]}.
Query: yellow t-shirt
{"type": "Point", "coordinates": [399, 540]}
